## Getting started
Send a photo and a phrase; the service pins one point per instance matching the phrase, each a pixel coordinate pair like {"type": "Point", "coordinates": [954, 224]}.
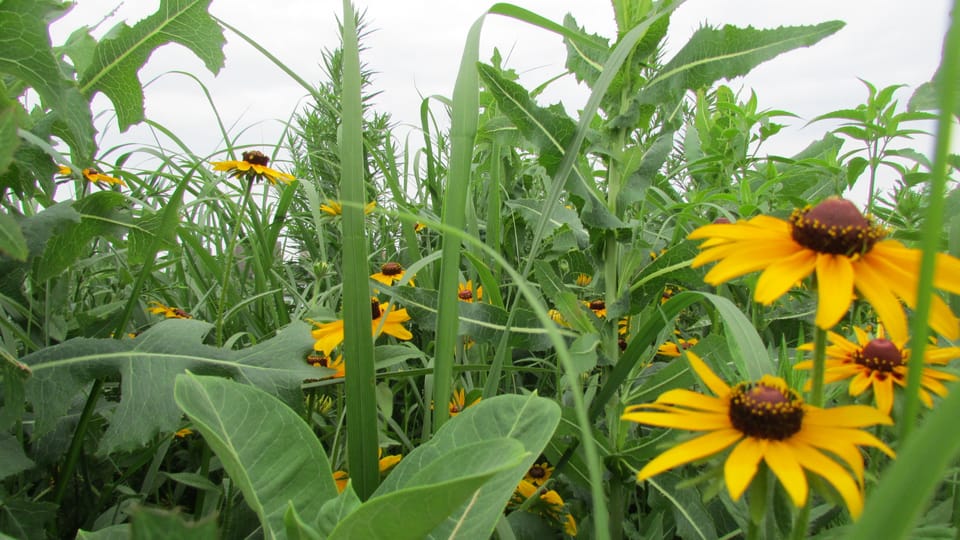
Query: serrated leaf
{"type": "Point", "coordinates": [532, 211]}
{"type": "Point", "coordinates": [266, 448]}
{"type": "Point", "coordinates": [28, 55]}
{"type": "Point", "coordinates": [99, 217]}
{"type": "Point", "coordinates": [147, 366]}
{"type": "Point", "coordinates": [12, 241]}
{"type": "Point", "coordinates": [712, 54]}
{"type": "Point", "coordinates": [531, 420]}
{"type": "Point", "coordinates": [37, 230]}
{"type": "Point", "coordinates": [434, 492]}
{"type": "Point", "coordinates": [117, 59]}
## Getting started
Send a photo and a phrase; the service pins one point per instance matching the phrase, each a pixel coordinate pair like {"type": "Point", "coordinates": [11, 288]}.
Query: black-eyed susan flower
{"type": "Point", "coordinates": [92, 175]}
{"type": "Point", "coordinates": [465, 292]}
{"type": "Point", "coordinates": [598, 307]}
{"type": "Point", "coordinates": [169, 312]}
{"type": "Point", "coordinates": [459, 402]}
{"type": "Point", "coordinates": [539, 473]}
{"type": "Point", "coordinates": [252, 167]}
{"type": "Point", "coordinates": [549, 505]}
{"type": "Point", "coordinates": [387, 319]}
{"type": "Point", "coordinates": [322, 360]}
{"type": "Point", "coordinates": [879, 363]}
{"type": "Point", "coordinates": [583, 280]}
{"type": "Point", "coordinates": [673, 349]}
{"type": "Point", "coordinates": [557, 317]}
{"type": "Point", "coordinates": [390, 273]}
{"type": "Point", "coordinates": [846, 250]}
{"type": "Point", "coordinates": [334, 208]}
{"type": "Point", "coordinates": [764, 420]}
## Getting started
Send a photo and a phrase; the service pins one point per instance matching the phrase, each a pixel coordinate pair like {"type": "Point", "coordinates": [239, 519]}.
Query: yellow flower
{"type": "Point", "coordinates": [599, 308]}
{"type": "Point", "coordinates": [557, 317]}
{"type": "Point", "coordinates": [253, 167]}
{"type": "Point", "coordinates": [549, 505]}
{"type": "Point", "coordinates": [764, 420]}
{"type": "Point", "coordinates": [167, 311]}
{"type": "Point", "coordinates": [390, 273]}
{"type": "Point", "coordinates": [92, 175]}
{"type": "Point", "coordinates": [389, 462]}
{"type": "Point", "coordinates": [845, 249]}
{"type": "Point", "coordinates": [879, 363]}
{"type": "Point", "coordinates": [539, 473]}
{"type": "Point", "coordinates": [671, 349]}
{"type": "Point", "coordinates": [465, 292]}
{"type": "Point", "coordinates": [418, 227]}
{"type": "Point", "coordinates": [340, 478]}
{"type": "Point", "coordinates": [386, 320]}
{"type": "Point", "coordinates": [180, 434]}
{"type": "Point", "coordinates": [570, 525]}
{"type": "Point", "coordinates": [334, 208]}
{"type": "Point", "coordinates": [583, 280]}
{"type": "Point", "coordinates": [459, 402]}
{"type": "Point", "coordinates": [322, 360]}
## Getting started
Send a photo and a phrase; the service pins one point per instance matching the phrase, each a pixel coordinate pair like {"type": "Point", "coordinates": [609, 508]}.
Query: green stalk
{"type": "Point", "coordinates": [949, 75]}
{"type": "Point", "coordinates": [819, 366]}
{"type": "Point", "coordinates": [228, 265]}
{"type": "Point", "coordinates": [359, 384]}
{"type": "Point", "coordinates": [463, 131]}
{"type": "Point", "coordinates": [76, 444]}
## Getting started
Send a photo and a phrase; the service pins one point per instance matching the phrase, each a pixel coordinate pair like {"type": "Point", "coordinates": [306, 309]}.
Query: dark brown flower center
{"type": "Point", "coordinates": [465, 294]}
{"type": "Point", "coordinates": [597, 305]}
{"type": "Point", "coordinates": [537, 472]}
{"type": "Point", "coordinates": [256, 157]}
{"type": "Point", "coordinates": [391, 269]}
{"type": "Point", "coordinates": [375, 309]}
{"type": "Point", "coordinates": [721, 221]}
{"type": "Point", "coordinates": [880, 355]}
{"type": "Point", "coordinates": [315, 360]}
{"type": "Point", "coordinates": [766, 410]}
{"type": "Point", "coordinates": [835, 226]}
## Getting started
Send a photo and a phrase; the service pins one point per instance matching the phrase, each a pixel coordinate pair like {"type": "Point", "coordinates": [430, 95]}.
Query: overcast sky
{"type": "Point", "coordinates": [416, 46]}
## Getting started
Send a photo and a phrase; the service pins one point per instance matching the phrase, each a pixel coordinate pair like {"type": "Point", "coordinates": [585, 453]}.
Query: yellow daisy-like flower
{"type": "Point", "coordinates": [878, 363]}
{"type": "Point", "coordinates": [598, 307]}
{"type": "Point", "coordinates": [390, 273]}
{"type": "Point", "coordinates": [549, 505]}
{"type": "Point", "coordinates": [418, 227]}
{"type": "Point", "coordinates": [333, 208]}
{"type": "Point", "coordinates": [169, 312]}
{"type": "Point", "coordinates": [459, 402]}
{"type": "Point", "coordinates": [92, 175]}
{"type": "Point", "coordinates": [583, 280]}
{"type": "Point", "coordinates": [465, 292]}
{"type": "Point", "coordinates": [764, 420]}
{"type": "Point", "coordinates": [845, 249]}
{"type": "Point", "coordinates": [539, 473]}
{"type": "Point", "coordinates": [322, 360]}
{"type": "Point", "coordinates": [557, 317]}
{"type": "Point", "coordinates": [253, 167]}
{"type": "Point", "coordinates": [671, 349]}
{"type": "Point", "coordinates": [386, 320]}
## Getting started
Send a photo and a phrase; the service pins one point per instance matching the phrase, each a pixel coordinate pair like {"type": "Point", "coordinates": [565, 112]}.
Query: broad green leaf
{"type": "Point", "coordinates": [117, 59]}
{"type": "Point", "coordinates": [712, 54]}
{"type": "Point", "coordinates": [749, 354]}
{"type": "Point", "coordinates": [564, 300]}
{"type": "Point", "coordinates": [532, 211]}
{"type": "Point", "coordinates": [24, 519]}
{"type": "Point", "coordinates": [434, 492]}
{"type": "Point", "coordinates": [266, 448]}
{"type": "Point", "coordinates": [528, 419]}
{"type": "Point", "coordinates": [14, 375]}
{"type": "Point", "coordinates": [335, 510]}
{"type": "Point", "coordinates": [297, 528]}
{"type": "Point", "coordinates": [12, 242]}
{"type": "Point", "coordinates": [147, 228]}
{"type": "Point", "coordinates": [9, 141]}
{"type": "Point", "coordinates": [27, 55]}
{"type": "Point", "coordinates": [147, 366]}
{"type": "Point", "coordinates": [101, 215]}
{"type": "Point", "coordinates": [159, 524]}
{"type": "Point", "coordinates": [37, 230]}
{"type": "Point", "coordinates": [12, 458]}
{"type": "Point", "coordinates": [114, 532]}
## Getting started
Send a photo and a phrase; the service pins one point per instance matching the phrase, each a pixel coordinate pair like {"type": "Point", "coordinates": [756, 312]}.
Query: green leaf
{"type": "Point", "coordinates": [147, 228]}
{"type": "Point", "coordinates": [26, 520]}
{"type": "Point", "coordinates": [9, 141]}
{"type": "Point", "coordinates": [12, 458]}
{"type": "Point", "coordinates": [712, 54]}
{"type": "Point", "coordinates": [37, 231]}
{"type": "Point", "coordinates": [531, 210]}
{"type": "Point", "coordinates": [117, 59]}
{"type": "Point", "coordinates": [434, 492]}
{"type": "Point", "coordinates": [147, 366]}
{"type": "Point", "coordinates": [335, 510]}
{"type": "Point", "coordinates": [265, 447]}
{"type": "Point", "coordinates": [159, 524]}
{"type": "Point", "coordinates": [12, 241]}
{"type": "Point", "coordinates": [28, 56]}
{"type": "Point", "coordinates": [113, 532]}
{"type": "Point", "coordinates": [529, 419]}
{"type": "Point", "coordinates": [100, 214]}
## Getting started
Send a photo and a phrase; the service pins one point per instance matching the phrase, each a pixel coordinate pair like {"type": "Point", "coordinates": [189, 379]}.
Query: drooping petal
{"type": "Point", "coordinates": [780, 457]}
{"type": "Point", "coordinates": [840, 442]}
{"type": "Point", "coordinates": [328, 336]}
{"type": "Point", "coordinates": [709, 378]}
{"type": "Point", "coordinates": [748, 258]}
{"type": "Point", "coordinates": [834, 289]}
{"type": "Point", "coordinates": [741, 465]}
{"type": "Point", "coordinates": [833, 473]}
{"type": "Point", "coordinates": [782, 275]}
{"type": "Point", "coordinates": [847, 416]}
{"type": "Point", "coordinates": [692, 450]}
{"type": "Point", "coordinates": [883, 395]}
{"type": "Point", "coordinates": [876, 290]}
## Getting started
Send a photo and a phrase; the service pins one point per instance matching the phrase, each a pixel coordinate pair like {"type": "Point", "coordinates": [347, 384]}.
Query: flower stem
{"type": "Point", "coordinates": [819, 366]}
{"type": "Point", "coordinates": [228, 264]}
{"type": "Point", "coordinates": [76, 444]}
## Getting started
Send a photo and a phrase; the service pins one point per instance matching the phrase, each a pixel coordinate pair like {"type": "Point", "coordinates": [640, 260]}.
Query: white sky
{"type": "Point", "coordinates": [417, 44]}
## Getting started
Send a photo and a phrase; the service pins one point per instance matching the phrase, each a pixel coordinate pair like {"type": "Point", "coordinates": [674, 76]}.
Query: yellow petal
{"type": "Point", "coordinates": [883, 395]}
{"type": "Point", "coordinates": [835, 289]}
{"type": "Point", "coordinates": [693, 400]}
{"type": "Point", "coordinates": [833, 473]}
{"type": "Point", "coordinates": [679, 419]}
{"type": "Point", "coordinates": [709, 378]}
{"type": "Point", "coordinates": [741, 465]}
{"type": "Point", "coordinates": [875, 289]}
{"type": "Point", "coordinates": [847, 416]}
{"type": "Point", "coordinates": [781, 276]}
{"type": "Point", "coordinates": [692, 450]}
{"type": "Point", "coordinates": [780, 457]}
{"type": "Point", "coordinates": [749, 258]}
